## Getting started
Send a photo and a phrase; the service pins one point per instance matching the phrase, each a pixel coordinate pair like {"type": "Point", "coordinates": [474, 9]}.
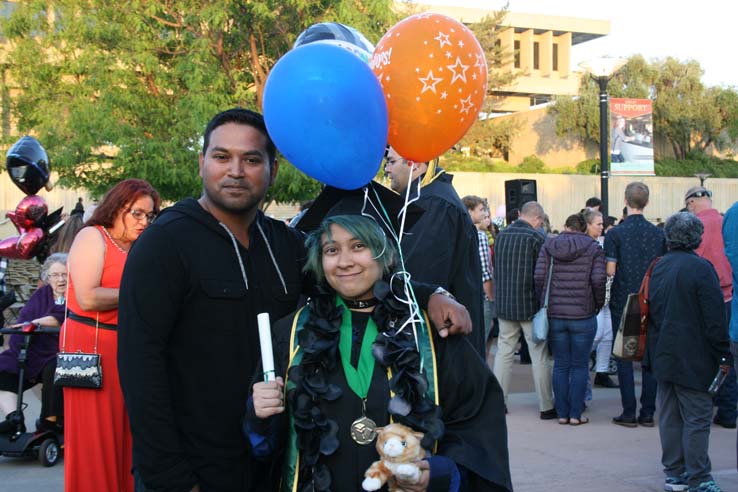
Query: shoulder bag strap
{"type": "Point", "coordinates": [643, 291]}
{"type": "Point", "coordinates": [66, 312]}
{"type": "Point", "coordinates": [548, 284]}
{"type": "Point", "coordinates": [66, 316]}
{"type": "Point", "coordinates": [97, 330]}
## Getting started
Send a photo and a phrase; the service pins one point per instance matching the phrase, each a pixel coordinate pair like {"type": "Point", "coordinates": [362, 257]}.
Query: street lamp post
{"type": "Point", "coordinates": [702, 177]}
{"type": "Point", "coordinates": [601, 70]}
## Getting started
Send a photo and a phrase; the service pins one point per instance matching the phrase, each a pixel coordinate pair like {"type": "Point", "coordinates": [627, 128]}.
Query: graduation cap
{"type": "Point", "coordinates": [374, 200]}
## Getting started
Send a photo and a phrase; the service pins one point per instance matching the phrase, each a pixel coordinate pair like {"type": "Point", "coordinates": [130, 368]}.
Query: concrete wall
{"type": "Point", "coordinates": [537, 136]}
{"type": "Point", "coordinates": [10, 195]}
{"type": "Point", "coordinates": [562, 195]}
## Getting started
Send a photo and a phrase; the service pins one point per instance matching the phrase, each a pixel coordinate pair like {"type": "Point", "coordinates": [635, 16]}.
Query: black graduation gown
{"type": "Point", "coordinates": [443, 248]}
{"type": "Point", "coordinates": [473, 413]}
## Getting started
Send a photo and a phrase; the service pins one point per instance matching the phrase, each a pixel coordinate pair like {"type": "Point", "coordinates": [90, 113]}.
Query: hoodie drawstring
{"type": "Point", "coordinates": [238, 254]}
{"type": "Point", "coordinates": [274, 260]}
{"type": "Point", "coordinates": [240, 260]}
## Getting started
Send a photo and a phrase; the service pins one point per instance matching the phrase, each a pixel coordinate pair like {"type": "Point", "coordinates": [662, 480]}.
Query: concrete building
{"type": "Point", "coordinates": [538, 53]}
{"type": "Point", "coordinates": [538, 49]}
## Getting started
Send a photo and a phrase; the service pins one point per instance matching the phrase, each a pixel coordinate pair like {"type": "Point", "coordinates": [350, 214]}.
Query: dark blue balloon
{"type": "Point", "coordinates": [28, 165]}
{"type": "Point", "coordinates": [326, 113]}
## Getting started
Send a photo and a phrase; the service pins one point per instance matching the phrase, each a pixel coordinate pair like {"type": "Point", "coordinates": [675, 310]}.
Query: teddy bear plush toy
{"type": "Point", "coordinates": [399, 448]}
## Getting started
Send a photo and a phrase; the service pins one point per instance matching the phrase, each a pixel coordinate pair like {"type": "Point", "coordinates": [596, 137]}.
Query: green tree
{"type": "Point", "coordinates": [580, 116]}
{"type": "Point", "coordinates": [117, 90]}
{"type": "Point", "coordinates": [690, 116]}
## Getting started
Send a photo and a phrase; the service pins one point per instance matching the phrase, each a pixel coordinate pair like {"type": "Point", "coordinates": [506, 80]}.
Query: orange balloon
{"type": "Point", "coordinates": [434, 76]}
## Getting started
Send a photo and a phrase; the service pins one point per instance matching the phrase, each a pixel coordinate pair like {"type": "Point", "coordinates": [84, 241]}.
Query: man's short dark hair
{"type": "Point", "coordinates": [593, 202]}
{"type": "Point", "coordinates": [471, 202]}
{"type": "Point", "coordinates": [240, 116]}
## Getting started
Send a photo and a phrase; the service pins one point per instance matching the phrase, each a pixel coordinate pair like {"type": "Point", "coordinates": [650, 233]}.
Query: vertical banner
{"type": "Point", "coordinates": [631, 137]}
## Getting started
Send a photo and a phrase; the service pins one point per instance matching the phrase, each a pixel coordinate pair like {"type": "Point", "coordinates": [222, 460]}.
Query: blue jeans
{"type": "Point", "coordinates": [627, 383]}
{"type": "Point", "coordinates": [571, 342]}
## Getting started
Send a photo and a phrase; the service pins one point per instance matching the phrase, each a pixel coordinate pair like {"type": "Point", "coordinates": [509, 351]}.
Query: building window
{"type": "Point", "coordinates": [555, 55]}
{"type": "Point", "coordinates": [536, 55]}
{"type": "Point", "coordinates": [516, 48]}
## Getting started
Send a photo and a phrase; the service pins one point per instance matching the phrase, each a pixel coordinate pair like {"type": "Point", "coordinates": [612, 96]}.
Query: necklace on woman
{"type": "Point", "coordinates": [115, 243]}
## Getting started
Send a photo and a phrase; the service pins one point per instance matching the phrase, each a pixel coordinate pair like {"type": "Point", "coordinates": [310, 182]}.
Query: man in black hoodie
{"type": "Point", "coordinates": [191, 290]}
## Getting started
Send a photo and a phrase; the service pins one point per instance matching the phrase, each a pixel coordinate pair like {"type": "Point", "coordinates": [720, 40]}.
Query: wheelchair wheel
{"type": "Point", "coordinates": [48, 452]}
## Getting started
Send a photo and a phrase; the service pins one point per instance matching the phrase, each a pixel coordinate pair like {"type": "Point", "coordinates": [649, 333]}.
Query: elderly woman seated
{"type": "Point", "coordinates": [44, 308]}
{"type": "Point", "coordinates": [687, 345]}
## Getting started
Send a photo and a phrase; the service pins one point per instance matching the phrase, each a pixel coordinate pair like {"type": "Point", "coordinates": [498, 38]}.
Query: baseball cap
{"type": "Point", "coordinates": [697, 192]}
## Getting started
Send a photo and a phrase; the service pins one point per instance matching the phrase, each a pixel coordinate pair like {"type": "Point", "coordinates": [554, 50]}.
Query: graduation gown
{"type": "Point", "coordinates": [443, 248]}
{"type": "Point", "coordinates": [472, 407]}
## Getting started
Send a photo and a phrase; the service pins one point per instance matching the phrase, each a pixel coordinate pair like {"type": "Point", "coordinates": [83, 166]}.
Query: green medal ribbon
{"type": "Point", "coordinates": [359, 378]}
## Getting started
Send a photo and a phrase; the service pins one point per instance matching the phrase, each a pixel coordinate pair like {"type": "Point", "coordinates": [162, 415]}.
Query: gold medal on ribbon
{"type": "Point", "coordinates": [363, 430]}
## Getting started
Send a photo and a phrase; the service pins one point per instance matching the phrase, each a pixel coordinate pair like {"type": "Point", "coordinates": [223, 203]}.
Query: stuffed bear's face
{"type": "Point", "coordinates": [399, 444]}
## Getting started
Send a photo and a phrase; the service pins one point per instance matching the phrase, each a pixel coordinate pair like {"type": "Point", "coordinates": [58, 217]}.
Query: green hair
{"type": "Point", "coordinates": [360, 227]}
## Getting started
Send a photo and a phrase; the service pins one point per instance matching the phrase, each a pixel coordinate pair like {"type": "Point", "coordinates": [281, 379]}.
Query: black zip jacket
{"type": "Point", "coordinates": [189, 343]}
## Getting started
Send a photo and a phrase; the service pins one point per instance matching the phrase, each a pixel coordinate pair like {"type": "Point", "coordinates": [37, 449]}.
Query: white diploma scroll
{"type": "Point", "coordinates": [265, 340]}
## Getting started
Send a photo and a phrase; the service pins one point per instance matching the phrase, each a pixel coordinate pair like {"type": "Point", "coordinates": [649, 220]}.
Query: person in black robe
{"type": "Point", "coordinates": [453, 397]}
{"type": "Point", "coordinates": [443, 247]}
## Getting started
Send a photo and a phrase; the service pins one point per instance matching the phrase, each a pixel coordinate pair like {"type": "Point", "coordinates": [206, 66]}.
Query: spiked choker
{"type": "Point", "coordinates": [360, 304]}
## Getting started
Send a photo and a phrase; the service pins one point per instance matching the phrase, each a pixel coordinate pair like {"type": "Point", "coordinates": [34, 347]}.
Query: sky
{"type": "Point", "coordinates": [703, 31]}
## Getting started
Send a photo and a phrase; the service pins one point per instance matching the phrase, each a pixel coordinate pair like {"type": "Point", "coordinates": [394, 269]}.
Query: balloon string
{"type": "Point", "coordinates": [415, 319]}
{"type": "Point", "coordinates": [408, 201]}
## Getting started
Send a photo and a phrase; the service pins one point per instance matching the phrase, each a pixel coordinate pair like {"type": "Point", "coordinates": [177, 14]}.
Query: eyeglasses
{"type": "Point", "coordinates": [58, 276]}
{"type": "Point", "coordinates": [392, 161]}
{"type": "Point", "coordinates": [141, 215]}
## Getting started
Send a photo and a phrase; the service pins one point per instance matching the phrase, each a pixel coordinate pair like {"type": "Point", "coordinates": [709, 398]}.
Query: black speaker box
{"type": "Point", "coordinates": [520, 191]}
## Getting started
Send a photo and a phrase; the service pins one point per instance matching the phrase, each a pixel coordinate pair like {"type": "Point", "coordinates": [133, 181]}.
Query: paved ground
{"type": "Point", "coordinates": [544, 456]}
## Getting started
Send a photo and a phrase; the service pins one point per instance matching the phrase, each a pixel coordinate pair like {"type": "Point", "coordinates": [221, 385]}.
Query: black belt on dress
{"type": "Point", "coordinates": [85, 320]}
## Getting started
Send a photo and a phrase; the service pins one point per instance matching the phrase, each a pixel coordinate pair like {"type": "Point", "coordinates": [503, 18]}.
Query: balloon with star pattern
{"type": "Point", "coordinates": [434, 77]}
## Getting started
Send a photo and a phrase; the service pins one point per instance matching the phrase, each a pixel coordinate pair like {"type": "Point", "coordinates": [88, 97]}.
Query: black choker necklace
{"type": "Point", "coordinates": [360, 304]}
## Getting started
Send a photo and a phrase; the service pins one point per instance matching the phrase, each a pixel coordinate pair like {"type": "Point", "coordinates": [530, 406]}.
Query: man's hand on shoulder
{"type": "Point", "coordinates": [449, 317]}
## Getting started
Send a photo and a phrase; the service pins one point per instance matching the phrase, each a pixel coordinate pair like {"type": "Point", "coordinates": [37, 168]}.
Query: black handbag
{"type": "Point", "coordinates": [78, 369]}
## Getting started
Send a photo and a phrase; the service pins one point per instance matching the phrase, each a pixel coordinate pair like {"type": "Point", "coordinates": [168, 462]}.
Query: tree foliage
{"type": "Point", "coordinates": [690, 116]}
{"type": "Point", "coordinates": [124, 89]}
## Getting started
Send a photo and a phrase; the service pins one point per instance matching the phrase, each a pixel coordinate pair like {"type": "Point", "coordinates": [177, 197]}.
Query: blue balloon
{"type": "Point", "coordinates": [325, 111]}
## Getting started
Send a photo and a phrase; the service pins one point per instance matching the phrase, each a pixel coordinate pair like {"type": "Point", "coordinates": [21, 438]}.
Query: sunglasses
{"type": "Point", "coordinates": [698, 194]}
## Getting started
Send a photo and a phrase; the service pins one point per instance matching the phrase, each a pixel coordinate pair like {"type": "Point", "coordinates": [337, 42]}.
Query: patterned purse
{"type": "Point", "coordinates": [78, 369]}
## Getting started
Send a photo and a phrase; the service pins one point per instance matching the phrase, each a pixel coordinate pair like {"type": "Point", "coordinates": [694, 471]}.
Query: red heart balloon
{"type": "Point", "coordinates": [22, 247]}
{"type": "Point", "coordinates": [28, 215]}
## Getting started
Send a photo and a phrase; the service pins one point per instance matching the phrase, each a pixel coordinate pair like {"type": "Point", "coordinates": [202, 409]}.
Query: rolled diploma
{"type": "Point", "coordinates": [265, 341]}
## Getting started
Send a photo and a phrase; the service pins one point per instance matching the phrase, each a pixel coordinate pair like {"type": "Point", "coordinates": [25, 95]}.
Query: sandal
{"type": "Point", "coordinates": [579, 421]}
{"type": "Point", "coordinates": [563, 421]}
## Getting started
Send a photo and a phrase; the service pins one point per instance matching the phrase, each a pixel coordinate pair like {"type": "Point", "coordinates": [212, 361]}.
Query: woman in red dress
{"type": "Point", "coordinates": [97, 435]}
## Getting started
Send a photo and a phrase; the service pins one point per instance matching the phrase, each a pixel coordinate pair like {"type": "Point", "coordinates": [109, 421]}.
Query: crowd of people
{"type": "Point", "coordinates": [371, 327]}
{"type": "Point", "coordinates": [584, 275]}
